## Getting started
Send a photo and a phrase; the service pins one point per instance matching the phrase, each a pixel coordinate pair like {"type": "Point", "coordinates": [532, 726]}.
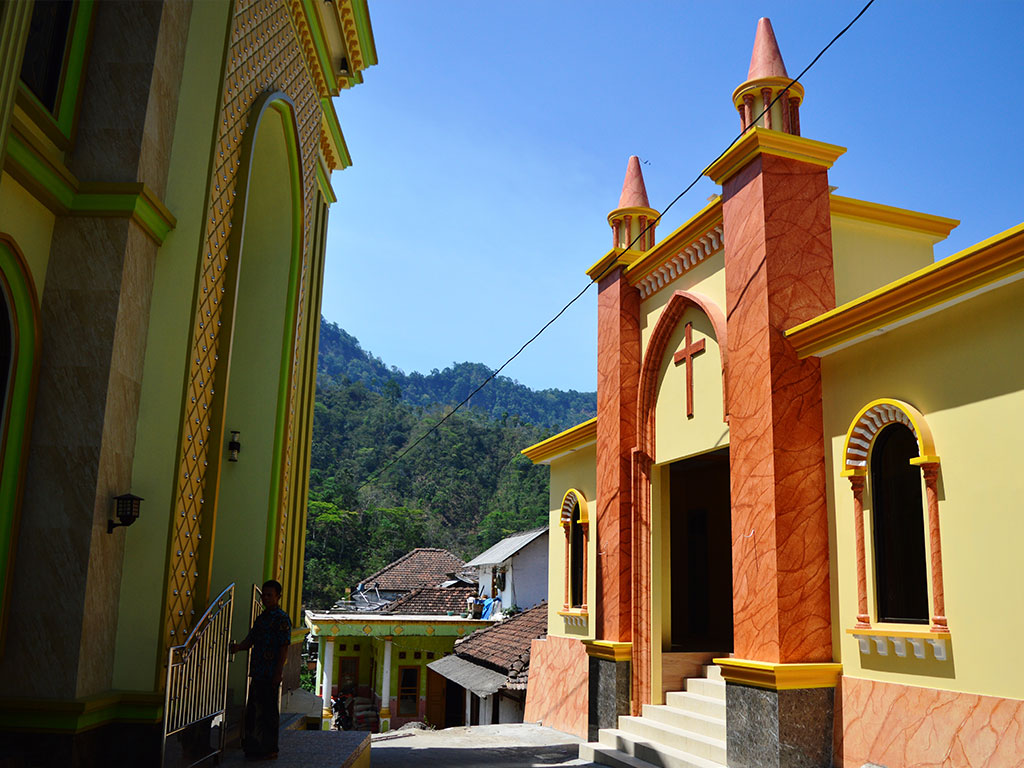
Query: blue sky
{"type": "Point", "coordinates": [490, 143]}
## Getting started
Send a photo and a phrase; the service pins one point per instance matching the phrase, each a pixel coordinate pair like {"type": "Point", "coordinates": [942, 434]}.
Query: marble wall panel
{"type": "Point", "coordinates": [903, 725]}
{"type": "Point", "coordinates": [778, 273]}
{"type": "Point", "coordinates": [558, 692]}
{"type": "Point", "coordinates": [779, 729]}
{"type": "Point", "coordinates": [618, 374]}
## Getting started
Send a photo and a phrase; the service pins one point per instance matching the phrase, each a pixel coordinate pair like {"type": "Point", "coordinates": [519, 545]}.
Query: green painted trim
{"type": "Point", "coordinates": [64, 195]}
{"type": "Point", "coordinates": [70, 89]}
{"type": "Point", "coordinates": [389, 628]}
{"type": "Point", "coordinates": [281, 420]}
{"type": "Point", "coordinates": [365, 31]}
{"type": "Point", "coordinates": [16, 408]}
{"type": "Point", "coordinates": [320, 46]}
{"type": "Point", "coordinates": [331, 118]}
{"type": "Point", "coordinates": [299, 634]}
{"type": "Point", "coordinates": [324, 180]}
{"type": "Point", "coordinates": [47, 715]}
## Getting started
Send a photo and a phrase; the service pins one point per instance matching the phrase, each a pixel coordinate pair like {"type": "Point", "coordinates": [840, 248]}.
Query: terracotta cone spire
{"type": "Point", "coordinates": [766, 60]}
{"type": "Point", "coordinates": [634, 193]}
{"type": "Point", "coordinates": [633, 220]}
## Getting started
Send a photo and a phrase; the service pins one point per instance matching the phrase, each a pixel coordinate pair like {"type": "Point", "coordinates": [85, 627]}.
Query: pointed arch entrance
{"type": "Point", "coordinates": [252, 390]}
{"type": "Point", "coordinates": [649, 512]}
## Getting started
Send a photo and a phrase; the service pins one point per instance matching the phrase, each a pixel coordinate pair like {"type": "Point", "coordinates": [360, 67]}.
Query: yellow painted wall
{"type": "Point", "coordinates": [677, 435]}
{"type": "Point", "coordinates": [577, 470]}
{"type": "Point", "coordinates": [963, 369]}
{"type": "Point", "coordinates": [707, 278]}
{"type": "Point", "coordinates": [30, 223]}
{"type": "Point", "coordinates": [867, 255]}
{"type": "Point", "coordinates": [139, 626]}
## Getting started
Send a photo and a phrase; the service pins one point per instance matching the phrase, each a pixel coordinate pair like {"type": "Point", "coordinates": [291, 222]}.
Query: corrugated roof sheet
{"type": "Point", "coordinates": [473, 677]}
{"type": "Point", "coordinates": [505, 548]}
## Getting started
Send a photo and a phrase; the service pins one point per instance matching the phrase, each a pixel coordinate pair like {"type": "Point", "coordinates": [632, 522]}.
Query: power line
{"type": "Point", "coordinates": [377, 475]}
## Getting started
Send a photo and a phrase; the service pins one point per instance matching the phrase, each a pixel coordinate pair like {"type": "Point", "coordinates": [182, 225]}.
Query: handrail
{"type": "Point", "coordinates": [197, 674]}
{"type": "Point", "coordinates": [254, 611]}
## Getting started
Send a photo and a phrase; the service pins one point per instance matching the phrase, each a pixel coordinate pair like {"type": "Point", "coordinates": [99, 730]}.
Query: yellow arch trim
{"type": "Point", "coordinates": [869, 422]}
{"type": "Point", "coordinates": [573, 496]}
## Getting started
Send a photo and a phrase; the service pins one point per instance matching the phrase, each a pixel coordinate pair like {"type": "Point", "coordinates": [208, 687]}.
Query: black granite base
{"type": "Point", "coordinates": [779, 729]}
{"type": "Point", "coordinates": [609, 694]}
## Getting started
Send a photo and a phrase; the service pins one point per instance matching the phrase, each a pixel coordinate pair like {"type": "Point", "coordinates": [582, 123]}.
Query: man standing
{"type": "Point", "coordinates": [268, 639]}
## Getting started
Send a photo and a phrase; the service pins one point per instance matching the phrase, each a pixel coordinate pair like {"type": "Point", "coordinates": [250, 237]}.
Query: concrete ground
{"type": "Point", "coordinates": [478, 746]}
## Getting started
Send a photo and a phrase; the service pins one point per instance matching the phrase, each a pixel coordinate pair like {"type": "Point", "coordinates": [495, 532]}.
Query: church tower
{"type": "Point", "coordinates": [778, 274]}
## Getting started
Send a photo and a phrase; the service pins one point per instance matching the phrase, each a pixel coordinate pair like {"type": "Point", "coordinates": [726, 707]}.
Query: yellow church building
{"type": "Point", "coordinates": [791, 535]}
{"type": "Point", "coordinates": [163, 206]}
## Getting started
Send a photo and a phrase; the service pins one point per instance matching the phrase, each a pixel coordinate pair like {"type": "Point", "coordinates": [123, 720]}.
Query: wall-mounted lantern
{"type": "Point", "coordinates": [234, 446]}
{"type": "Point", "coordinates": [126, 507]}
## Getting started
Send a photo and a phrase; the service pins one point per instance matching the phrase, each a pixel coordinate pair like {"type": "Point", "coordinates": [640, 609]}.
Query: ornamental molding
{"type": "Point", "coordinates": [700, 248]}
{"type": "Point", "coordinates": [302, 31]}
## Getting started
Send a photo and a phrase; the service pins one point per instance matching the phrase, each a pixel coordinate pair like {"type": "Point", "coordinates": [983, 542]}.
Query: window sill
{"type": "Point", "coordinates": [575, 617]}
{"type": "Point", "coordinates": [881, 636]}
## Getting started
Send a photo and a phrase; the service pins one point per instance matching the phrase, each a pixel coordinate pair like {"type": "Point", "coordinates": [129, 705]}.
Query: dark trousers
{"type": "Point", "coordinates": [262, 719]}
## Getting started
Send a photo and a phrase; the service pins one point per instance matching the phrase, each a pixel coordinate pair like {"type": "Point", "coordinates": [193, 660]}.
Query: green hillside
{"type": "Point", "coordinates": [463, 488]}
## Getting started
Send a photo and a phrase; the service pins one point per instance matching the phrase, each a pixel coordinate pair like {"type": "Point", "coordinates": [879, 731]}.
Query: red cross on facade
{"type": "Point", "coordinates": [686, 355]}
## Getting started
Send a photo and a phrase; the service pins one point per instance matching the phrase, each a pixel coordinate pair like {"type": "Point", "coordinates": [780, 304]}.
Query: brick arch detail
{"type": "Point", "coordinates": [679, 302]}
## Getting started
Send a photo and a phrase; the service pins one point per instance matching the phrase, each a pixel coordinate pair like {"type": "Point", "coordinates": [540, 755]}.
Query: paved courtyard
{"type": "Point", "coordinates": [478, 746]}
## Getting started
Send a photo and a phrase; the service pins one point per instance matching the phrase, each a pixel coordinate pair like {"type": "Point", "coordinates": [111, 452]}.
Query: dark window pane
{"type": "Point", "coordinates": [901, 580]}
{"type": "Point", "coordinates": [576, 559]}
{"type": "Point", "coordinates": [44, 51]}
{"type": "Point", "coordinates": [408, 690]}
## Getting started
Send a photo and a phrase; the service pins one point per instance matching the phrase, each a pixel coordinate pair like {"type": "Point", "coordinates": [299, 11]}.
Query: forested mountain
{"type": "Point", "coordinates": [341, 357]}
{"type": "Point", "coordinates": [463, 488]}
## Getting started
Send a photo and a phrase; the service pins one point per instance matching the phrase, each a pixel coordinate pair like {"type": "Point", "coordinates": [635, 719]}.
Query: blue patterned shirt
{"type": "Point", "coordinates": [271, 630]}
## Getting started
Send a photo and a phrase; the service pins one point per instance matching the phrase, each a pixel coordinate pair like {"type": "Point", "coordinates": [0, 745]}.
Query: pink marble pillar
{"type": "Point", "coordinates": [618, 373]}
{"type": "Point", "coordinates": [931, 481]}
{"type": "Point", "coordinates": [778, 273]}
{"type": "Point", "coordinates": [766, 97]}
{"type": "Point", "coordinates": [857, 484]}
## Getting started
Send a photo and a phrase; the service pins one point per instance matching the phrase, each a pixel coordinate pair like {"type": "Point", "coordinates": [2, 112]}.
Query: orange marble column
{"type": "Point", "coordinates": [778, 273]}
{"type": "Point", "coordinates": [863, 619]}
{"type": "Point", "coordinates": [931, 482]}
{"type": "Point", "coordinates": [618, 372]}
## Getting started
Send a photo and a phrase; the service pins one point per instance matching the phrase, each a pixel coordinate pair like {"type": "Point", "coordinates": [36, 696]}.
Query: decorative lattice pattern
{"type": "Point", "coordinates": [265, 56]}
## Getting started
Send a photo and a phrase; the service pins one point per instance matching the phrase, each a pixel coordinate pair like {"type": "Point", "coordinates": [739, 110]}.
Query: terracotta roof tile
{"type": "Point", "coordinates": [505, 647]}
{"type": "Point", "coordinates": [420, 567]}
{"type": "Point", "coordinates": [434, 601]}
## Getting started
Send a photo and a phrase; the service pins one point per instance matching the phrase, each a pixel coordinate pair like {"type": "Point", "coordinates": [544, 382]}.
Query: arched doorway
{"type": "Point", "coordinates": [265, 258]}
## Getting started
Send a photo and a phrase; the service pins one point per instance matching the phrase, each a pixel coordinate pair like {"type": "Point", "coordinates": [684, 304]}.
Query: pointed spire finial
{"type": "Point", "coordinates": [766, 59]}
{"type": "Point", "coordinates": [634, 192]}
{"type": "Point", "coordinates": [633, 220]}
{"type": "Point", "coordinates": [768, 89]}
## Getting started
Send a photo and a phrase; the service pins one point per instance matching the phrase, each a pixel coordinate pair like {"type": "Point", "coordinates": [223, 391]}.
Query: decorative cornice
{"type": "Point", "coordinates": [756, 141]}
{"type": "Point", "coordinates": [332, 140]}
{"type": "Point", "coordinates": [938, 227]}
{"type": "Point", "coordinates": [301, 23]}
{"type": "Point", "coordinates": [609, 650]}
{"type": "Point", "coordinates": [616, 257]}
{"type": "Point", "coordinates": [355, 22]}
{"type": "Point", "coordinates": [658, 276]}
{"type": "Point", "coordinates": [994, 262]}
{"type": "Point", "coordinates": [563, 443]}
{"type": "Point", "coordinates": [62, 193]}
{"type": "Point", "coordinates": [780, 677]}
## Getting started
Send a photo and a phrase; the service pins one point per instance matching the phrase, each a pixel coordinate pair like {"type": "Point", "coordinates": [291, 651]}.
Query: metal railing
{"type": "Point", "coordinates": [254, 611]}
{"type": "Point", "coordinates": [197, 675]}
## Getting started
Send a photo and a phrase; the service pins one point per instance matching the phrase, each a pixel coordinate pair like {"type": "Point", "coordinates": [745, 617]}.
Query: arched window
{"type": "Point", "coordinates": [575, 522]}
{"type": "Point", "coordinates": [901, 581]}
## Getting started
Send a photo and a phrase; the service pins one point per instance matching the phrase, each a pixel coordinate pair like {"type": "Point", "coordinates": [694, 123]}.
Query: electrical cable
{"type": "Point", "coordinates": [377, 475]}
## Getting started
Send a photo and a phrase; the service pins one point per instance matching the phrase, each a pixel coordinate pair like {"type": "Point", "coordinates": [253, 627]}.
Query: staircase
{"type": "Point", "coordinates": [688, 731]}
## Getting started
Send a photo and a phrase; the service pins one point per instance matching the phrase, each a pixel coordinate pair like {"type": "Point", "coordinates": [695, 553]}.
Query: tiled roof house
{"type": "Point", "coordinates": [420, 567]}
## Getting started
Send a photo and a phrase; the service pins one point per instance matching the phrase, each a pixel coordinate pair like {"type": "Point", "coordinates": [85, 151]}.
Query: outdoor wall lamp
{"type": "Point", "coordinates": [126, 507]}
{"type": "Point", "coordinates": [234, 446]}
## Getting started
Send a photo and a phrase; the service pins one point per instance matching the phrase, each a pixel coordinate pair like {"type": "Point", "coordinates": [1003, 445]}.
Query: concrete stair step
{"type": "Point", "coordinates": [713, 672]}
{"type": "Point", "coordinates": [596, 752]}
{"type": "Point", "coordinates": [694, 702]}
{"type": "Point", "coordinates": [678, 738]}
{"type": "Point", "coordinates": [657, 754]}
{"type": "Point", "coordinates": [704, 725]}
{"type": "Point", "coordinates": [713, 689]}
